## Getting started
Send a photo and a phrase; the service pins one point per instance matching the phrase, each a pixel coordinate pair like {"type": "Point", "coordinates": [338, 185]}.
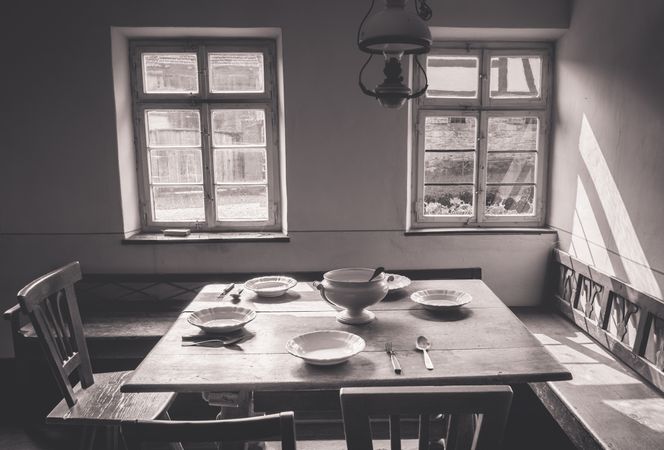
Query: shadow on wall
{"type": "Point", "coordinates": [601, 221]}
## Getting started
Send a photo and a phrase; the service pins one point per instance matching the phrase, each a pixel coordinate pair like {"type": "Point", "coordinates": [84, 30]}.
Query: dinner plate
{"type": "Point", "coordinates": [441, 299]}
{"type": "Point", "coordinates": [222, 319]}
{"type": "Point", "coordinates": [272, 286]}
{"type": "Point", "coordinates": [325, 348]}
{"type": "Point", "coordinates": [396, 281]}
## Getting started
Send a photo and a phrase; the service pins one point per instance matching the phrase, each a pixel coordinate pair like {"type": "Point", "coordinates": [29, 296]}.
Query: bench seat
{"type": "Point", "coordinates": [606, 405]}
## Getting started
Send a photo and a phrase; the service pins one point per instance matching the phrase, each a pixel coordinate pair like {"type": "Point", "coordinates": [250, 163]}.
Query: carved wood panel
{"type": "Point", "coordinates": [623, 320]}
{"type": "Point", "coordinates": [655, 343]}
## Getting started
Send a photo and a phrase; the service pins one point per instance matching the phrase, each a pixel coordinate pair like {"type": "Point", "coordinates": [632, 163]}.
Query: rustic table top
{"type": "Point", "coordinates": [482, 343]}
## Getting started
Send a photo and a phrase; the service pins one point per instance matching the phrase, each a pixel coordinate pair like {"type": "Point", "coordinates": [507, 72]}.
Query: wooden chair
{"type": "Point", "coordinates": [358, 404]}
{"type": "Point", "coordinates": [282, 425]}
{"type": "Point", "coordinates": [96, 401]}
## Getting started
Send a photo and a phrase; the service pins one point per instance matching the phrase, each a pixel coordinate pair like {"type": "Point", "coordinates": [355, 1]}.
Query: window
{"type": "Point", "coordinates": [480, 137]}
{"type": "Point", "coordinates": [205, 117]}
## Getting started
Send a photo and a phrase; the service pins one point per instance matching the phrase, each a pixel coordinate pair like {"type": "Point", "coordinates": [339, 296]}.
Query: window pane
{"type": "Point", "coordinates": [516, 77]}
{"type": "Point", "coordinates": [512, 133]}
{"type": "Point", "coordinates": [511, 167]}
{"type": "Point", "coordinates": [448, 200]}
{"type": "Point", "coordinates": [178, 203]}
{"type": "Point", "coordinates": [170, 73]}
{"type": "Point", "coordinates": [510, 200]}
{"type": "Point", "coordinates": [452, 76]}
{"type": "Point", "coordinates": [233, 127]}
{"type": "Point", "coordinates": [173, 128]}
{"type": "Point", "coordinates": [450, 133]}
{"type": "Point", "coordinates": [176, 166]}
{"type": "Point", "coordinates": [247, 165]}
{"type": "Point", "coordinates": [456, 167]}
{"type": "Point", "coordinates": [242, 203]}
{"type": "Point", "coordinates": [236, 72]}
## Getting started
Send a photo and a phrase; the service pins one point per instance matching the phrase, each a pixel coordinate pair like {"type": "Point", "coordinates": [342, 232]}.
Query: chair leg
{"type": "Point", "coordinates": [88, 438]}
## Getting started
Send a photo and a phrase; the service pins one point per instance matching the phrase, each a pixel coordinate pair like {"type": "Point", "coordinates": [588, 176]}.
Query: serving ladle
{"type": "Point", "coordinates": [423, 344]}
{"type": "Point", "coordinates": [377, 272]}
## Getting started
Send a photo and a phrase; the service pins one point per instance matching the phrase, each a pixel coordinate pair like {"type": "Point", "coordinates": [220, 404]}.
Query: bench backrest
{"type": "Point", "coordinates": [629, 323]}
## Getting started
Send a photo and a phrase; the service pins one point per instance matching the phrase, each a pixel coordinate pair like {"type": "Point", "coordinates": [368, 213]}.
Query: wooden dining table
{"type": "Point", "coordinates": [481, 343]}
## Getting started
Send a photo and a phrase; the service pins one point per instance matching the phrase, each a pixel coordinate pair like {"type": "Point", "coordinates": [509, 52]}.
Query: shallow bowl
{"type": "Point", "coordinates": [441, 299]}
{"type": "Point", "coordinates": [222, 319]}
{"type": "Point", "coordinates": [325, 348]}
{"type": "Point", "coordinates": [272, 286]}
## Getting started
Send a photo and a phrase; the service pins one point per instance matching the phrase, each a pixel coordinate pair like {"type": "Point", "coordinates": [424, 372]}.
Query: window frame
{"type": "Point", "coordinates": [482, 109]}
{"type": "Point", "coordinates": [205, 103]}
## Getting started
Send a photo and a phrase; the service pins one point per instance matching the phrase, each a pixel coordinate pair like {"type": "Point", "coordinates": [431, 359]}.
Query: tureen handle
{"type": "Point", "coordinates": [319, 285]}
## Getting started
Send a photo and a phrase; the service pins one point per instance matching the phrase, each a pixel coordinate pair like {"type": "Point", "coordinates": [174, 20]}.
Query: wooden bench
{"type": "Point", "coordinates": [611, 338]}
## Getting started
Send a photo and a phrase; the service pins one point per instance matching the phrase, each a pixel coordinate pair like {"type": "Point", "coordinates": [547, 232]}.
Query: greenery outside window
{"type": "Point", "coordinates": [481, 136]}
{"type": "Point", "coordinates": [205, 120]}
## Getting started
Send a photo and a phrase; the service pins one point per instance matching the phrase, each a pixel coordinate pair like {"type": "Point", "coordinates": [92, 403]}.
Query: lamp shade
{"type": "Point", "coordinates": [395, 30]}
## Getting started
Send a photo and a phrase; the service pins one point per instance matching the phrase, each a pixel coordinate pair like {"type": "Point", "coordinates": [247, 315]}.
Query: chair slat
{"type": "Point", "coordinates": [280, 425]}
{"type": "Point", "coordinates": [423, 440]}
{"type": "Point", "coordinates": [395, 432]}
{"type": "Point", "coordinates": [358, 404]}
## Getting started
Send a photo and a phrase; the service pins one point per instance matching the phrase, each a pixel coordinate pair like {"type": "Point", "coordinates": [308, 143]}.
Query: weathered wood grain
{"type": "Point", "coordinates": [104, 404]}
{"type": "Point", "coordinates": [304, 297]}
{"type": "Point", "coordinates": [284, 372]}
{"type": "Point", "coordinates": [482, 344]}
{"type": "Point", "coordinates": [605, 403]}
{"type": "Point", "coordinates": [269, 332]}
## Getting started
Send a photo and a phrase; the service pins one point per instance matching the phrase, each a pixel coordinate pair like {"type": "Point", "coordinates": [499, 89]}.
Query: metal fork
{"type": "Point", "coordinates": [223, 342]}
{"type": "Point", "coordinates": [393, 357]}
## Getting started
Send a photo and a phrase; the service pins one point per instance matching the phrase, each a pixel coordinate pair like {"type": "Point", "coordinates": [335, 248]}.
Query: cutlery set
{"type": "Point", "coordinates": [422, 344]}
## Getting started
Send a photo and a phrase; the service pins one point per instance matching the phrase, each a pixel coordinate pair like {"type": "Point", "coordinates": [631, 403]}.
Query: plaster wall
{"type": "Point", "coordinates": [345, 165]}
{"type": "Point", "coordinates": [607, 160]}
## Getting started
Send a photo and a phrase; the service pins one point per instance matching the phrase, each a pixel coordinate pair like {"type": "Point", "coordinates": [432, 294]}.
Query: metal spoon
{"type": "Point", "coordinates": [235, 297]}
{"type": "Point", "coordinates": [423, 344]}
{"type": "Point", "coordinates": [377, 272]}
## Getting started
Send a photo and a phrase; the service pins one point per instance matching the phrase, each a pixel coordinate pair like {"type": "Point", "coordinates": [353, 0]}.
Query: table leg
{"type": "Point", "coordinates": [234, 405]}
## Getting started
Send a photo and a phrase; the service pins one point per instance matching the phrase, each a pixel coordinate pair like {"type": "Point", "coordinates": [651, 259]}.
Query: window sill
{"type": "Point", "coordinates": [478, 231]}
{"type": "Point", "coordinates": [206, 237]}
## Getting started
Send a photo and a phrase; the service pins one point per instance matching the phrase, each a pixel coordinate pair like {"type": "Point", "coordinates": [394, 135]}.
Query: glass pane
{"type": "Point", "coordinates": [170, 73]}
{"type": "Point", "coordinates": [450, 133]}
{"type": "Point", "coordinates": [511, 167]}
{"type": "Point", "coordinates": [236, 72]}
{"type": "Point", "coordinates": [516, 77]}
{"type": "Point", "coordinates": [242, 203]}
{"type": "Point", "coordinates": [510, 200]}
{"type": "Point", "coordinates": [452, 76]}
{"type": "Point", "coordinates": [232, 127]}
{"type": "Point", "coordinates": [178, 203]}
{"type": "Point", "coordinates": [512, 133]}
{"type": "Point", "coordinates": [173, 128]}
{"type": "Point", "coordinates": [448, 200]}
{"type": "Point", "coordinates": [176, 166]}
{"type": "Point", "coordinates": [246, 165]}
{"type": "Point", "coordinates": [457, 167]}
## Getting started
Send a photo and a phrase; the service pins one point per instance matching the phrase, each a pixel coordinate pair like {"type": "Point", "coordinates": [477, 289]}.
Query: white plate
{"type": "Point", "coordinates": [325, 348]}
{"type": "Point", "coordinates": [396, 281]}
{"type": "Point", "coordinates": [272, 286]}
{"type": "Point", "coordinates": [222, 319]}
{"type": "Point", "coordinates": [441, 299]}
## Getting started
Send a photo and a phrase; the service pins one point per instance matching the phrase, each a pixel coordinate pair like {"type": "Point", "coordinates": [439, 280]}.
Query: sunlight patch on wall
{"type": "Point", "coordinates": [585, 224]}
{"type": "Point", "coordinates": [626, 240]}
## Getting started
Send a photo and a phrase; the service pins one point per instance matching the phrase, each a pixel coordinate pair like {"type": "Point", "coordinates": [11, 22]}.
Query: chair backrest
{"type": "Point", "coordinates": [281, 425]}
{"type": "Point", "coordinates": [50, 303]}
{"type": "Point", "coordinates": [359, 404]}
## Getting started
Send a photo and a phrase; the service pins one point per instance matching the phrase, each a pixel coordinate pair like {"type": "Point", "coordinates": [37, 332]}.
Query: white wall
{"type": "Point", "coordinates": [345, 157]}
{"type": "Point", "coordinates": [607, 161]}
